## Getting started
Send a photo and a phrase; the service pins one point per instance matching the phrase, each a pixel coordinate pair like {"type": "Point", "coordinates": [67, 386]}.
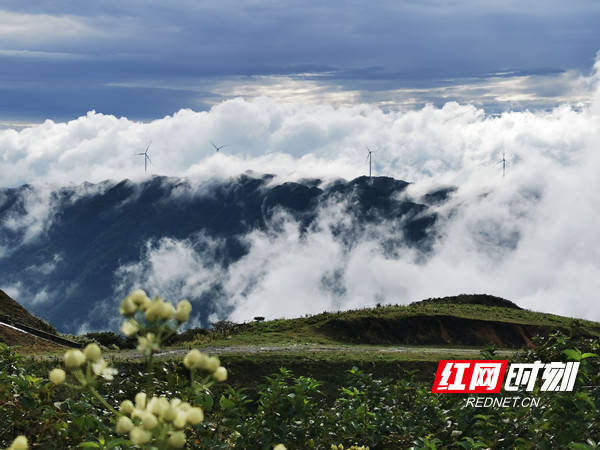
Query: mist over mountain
{"type": "Point", "coordinates": [70, 254]}
{"type": "Point", "coordinates": [285, 246]}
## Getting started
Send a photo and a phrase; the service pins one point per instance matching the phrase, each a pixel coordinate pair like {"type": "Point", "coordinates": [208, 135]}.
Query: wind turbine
{"type": "Point", "coordinates": [146, 158]}
{"type": "Point", "coordinates": [217, 148]}
{"type": "Point", "coordinates": [370, 158]}
{"type": "Point", "coordinates": [503, 162]}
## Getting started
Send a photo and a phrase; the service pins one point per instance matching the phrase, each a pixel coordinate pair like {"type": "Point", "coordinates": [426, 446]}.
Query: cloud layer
{"type": "Point", "coordinates": [295, 140]}
{"type": "Point", "coordinates": [530, 236]}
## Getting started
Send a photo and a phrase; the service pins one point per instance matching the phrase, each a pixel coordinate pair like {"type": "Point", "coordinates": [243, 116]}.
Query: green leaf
{"type": "Point", "coordinates": [578, 446]}
{"type": "Point", "coordinates": [89, 444]}
{"type": "Point", "coordinates": [482, 417]}
{"type": "Point", "coordinates": [225, 403]}
{"type": "Point", "coordinates": [573, 354]}
{"type": "Point", "coordinates": [117, 443]}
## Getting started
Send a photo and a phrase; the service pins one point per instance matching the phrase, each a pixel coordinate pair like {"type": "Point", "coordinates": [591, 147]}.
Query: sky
{"type": "Point", "coordinates": [441, 90]}
{"type": "Point", "coordinates": [146, 59]}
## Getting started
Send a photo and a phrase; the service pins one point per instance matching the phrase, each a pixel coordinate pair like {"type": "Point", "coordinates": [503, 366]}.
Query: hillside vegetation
{"type": "Point", "coordinates": [471, 320]}
{"type": "Point", "coordinates": [196, 400]}
{"type": "Point", "coordinates": [11, 311]}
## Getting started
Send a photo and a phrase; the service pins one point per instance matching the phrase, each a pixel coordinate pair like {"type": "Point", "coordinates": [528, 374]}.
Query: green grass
{"type": "Point", "coordinates": [350, 326]}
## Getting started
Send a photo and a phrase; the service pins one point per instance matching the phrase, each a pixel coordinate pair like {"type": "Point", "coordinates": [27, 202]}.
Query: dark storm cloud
{"type": "Point", "coordinates": [131, 57]}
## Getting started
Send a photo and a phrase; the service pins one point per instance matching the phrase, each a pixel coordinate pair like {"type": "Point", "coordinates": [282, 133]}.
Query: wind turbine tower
{"type": "Point", "coordinates": [146, 158]}
{"type": "Point", "coordinates": [370, 158]}
{"type": "Point", "coordinates": [503, 161]}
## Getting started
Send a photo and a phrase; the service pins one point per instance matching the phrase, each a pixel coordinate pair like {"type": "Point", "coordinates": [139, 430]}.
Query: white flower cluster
{"type": "Point", "coordinates": [195, 359]}
{"type": "Point", "coordinates": [157, 419]}
{"type": "Point", "coordinates": [151, 320]}
{"type": "Point", "coordinates": [75, 360]}
{"type": "Point", "coordinates": [353, 447]}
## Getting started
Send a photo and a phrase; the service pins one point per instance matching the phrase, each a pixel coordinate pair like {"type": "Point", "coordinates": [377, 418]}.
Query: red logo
{"type": "Point", "coordinates": [469, 376]}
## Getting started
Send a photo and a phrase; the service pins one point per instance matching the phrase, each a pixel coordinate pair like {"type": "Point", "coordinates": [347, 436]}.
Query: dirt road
{"type": "Point", "coordinates": [467, 353]}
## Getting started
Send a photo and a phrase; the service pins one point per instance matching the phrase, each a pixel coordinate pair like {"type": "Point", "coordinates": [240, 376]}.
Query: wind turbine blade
{"type": "Point", "coordinates": [148, 158]}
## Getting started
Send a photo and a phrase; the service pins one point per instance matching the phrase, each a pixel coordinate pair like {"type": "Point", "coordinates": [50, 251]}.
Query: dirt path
{"type": "Point", "coordinates": [467, 353]}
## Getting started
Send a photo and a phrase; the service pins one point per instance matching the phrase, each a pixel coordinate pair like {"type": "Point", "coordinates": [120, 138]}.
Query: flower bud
{"type": "Point", "coordinates": [170, 414]}
{"type": "Point", "coordinates": [279, 447]}
{"type": "Point", "coordinates": [127, 407]}
{"type": "Point", "coordinates": [127, 308]}
{"type": "Point", "coordinates": [149, 421]}
{"type": "Point", "coordinates": [152, 406]}
{"type": "Point", "coordinates": [144, 306]}
{"type": "Point", "coordinates": [184, 307]}
{"type": "Point", "coordinates": [138, 297]}
{"type": "Point", "coordinates": [167, 311]}
{"type": "Point", "coordinates": [130, 327]}
{"type": "Point", "coordinates": [74, 359]}
{"type": "Point", "coordinates": [92, 352]}
{"type": "Point", "coordinates": [180, 419]}
{"type": "Point", "coordinates": [220, 374]}
{"type": "Point", "coordinates": [140, 400]}
{"type": "Point", "coordinates": [124, 425]}
{"type": "Point", "coordinates": [212, 364]}
{"type": "Point", "coordinates": [185, 406]}
{"type": "Point", "coordinates": [176, 439]}
{"type": "Point", "coordinates": [195, 416]}
{"type": "Point", "coordinates": [139, 436]}
{"type": "Point", "coordinates": [195, 359]}
{"type": "Point", "coordinates": [154, 310]}
{"type": "Point", "coordinates": [162, 405]}
{"type": "Point", "coordinates": [57, 376]}
{"type": "Point", "coordinates": [20, 443]}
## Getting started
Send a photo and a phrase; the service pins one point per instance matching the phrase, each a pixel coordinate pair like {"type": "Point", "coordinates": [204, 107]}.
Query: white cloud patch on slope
{"type": "Point", "coordinates": [174, 269]}
{"type": "Point", "coordinates": [525, 239]}
{"type": "Point", "coordinates": [32, 214]}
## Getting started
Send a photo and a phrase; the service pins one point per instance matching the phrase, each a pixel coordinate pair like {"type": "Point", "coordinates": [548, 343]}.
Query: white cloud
{"type": "Point", "coordinates": [38, 54]}
{"type": "Point", "coordinates": [34, 211]}
{"type": "Point", "coordinates": [174, 269]}
{"type": "Point", "coordinates": [33, 216]}
{"type": "Point", "coordinates": [23, 28]}
{"type": "Point", "coordinates": [45, 268]}
{"type": "Point", "coordinates": [507, 92]}
{"type": "Point", "coordinates": [14, 291]}
{"type": "Point", "coordinates": [526, 240]}
{"type": "Point", "coordinates": [531, 236]}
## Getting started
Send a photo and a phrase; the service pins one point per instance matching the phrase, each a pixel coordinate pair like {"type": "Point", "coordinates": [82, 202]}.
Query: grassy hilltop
{"type": "Point", "coordinates": [386, 340]}
{"type": "Point", "coordinates": [464, 320]}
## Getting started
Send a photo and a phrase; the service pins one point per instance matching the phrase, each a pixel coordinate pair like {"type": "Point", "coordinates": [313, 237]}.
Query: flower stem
{"type": "Point", "coordinates": [103, 401]}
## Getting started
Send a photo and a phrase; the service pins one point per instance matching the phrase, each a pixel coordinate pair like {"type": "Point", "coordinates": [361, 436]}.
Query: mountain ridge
{"type": "Point", "coordinates": [69, 269]}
